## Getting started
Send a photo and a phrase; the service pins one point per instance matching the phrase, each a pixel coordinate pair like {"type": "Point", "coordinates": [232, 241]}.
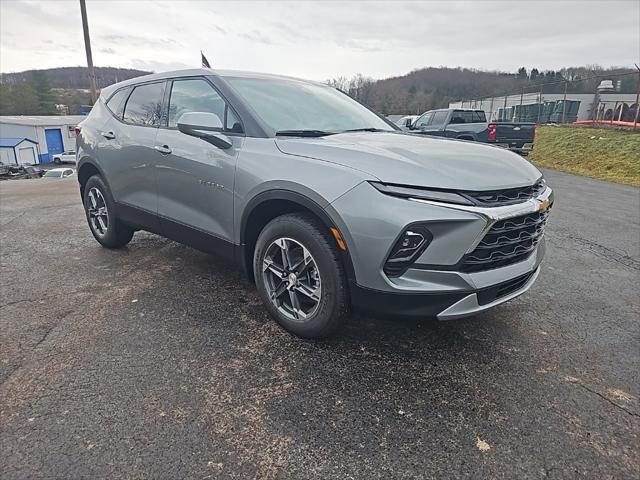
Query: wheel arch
{"type": "Point", "coordinates": [467, 136]}
{"type": "Point", "coordinates": [270, 204]}
{"type": "Point", "coordinates": [88, 168]}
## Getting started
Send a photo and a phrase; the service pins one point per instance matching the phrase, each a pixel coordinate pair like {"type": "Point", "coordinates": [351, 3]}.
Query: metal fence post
{"type": "Point", "coordinates": [539, 104]}
{"type": "Point", "coordinates": [635, 119]}
{"type": "Point", "coordinates": [564, 104]}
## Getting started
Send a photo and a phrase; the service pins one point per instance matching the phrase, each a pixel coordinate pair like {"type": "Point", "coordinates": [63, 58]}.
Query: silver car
{"type": "Point", "coordinates": [324, 204]}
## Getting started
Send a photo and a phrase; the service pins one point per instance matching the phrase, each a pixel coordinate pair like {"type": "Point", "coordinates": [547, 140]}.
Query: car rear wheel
{"type": "Point", "coordinates": [300, 277]}
{"type": "Point", "coordinates": [101, 215]}
{"type": "Point", "coordinates": [57, 161]}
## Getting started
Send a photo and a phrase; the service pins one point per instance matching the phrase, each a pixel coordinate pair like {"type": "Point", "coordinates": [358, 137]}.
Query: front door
{"type": "Point", "coordinates": [195, 178]}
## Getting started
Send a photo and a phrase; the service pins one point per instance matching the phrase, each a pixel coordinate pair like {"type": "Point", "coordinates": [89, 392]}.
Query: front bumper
{"type": "Point", "coordinates": [434, 285]}
{"type": "Point", "coordinates": [445, 305]}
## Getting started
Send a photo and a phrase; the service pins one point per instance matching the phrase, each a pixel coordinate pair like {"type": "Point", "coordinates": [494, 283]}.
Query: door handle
{"type": "Point", "coordinates": [108, 135]}
{"type": "Point", "coordinates": [163, 149]}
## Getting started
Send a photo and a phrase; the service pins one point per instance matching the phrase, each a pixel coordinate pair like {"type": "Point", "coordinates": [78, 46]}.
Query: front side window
{"type": "Point", "coordinates": [294, 105]}
{"type": "Point", "coordinates": [144, 106]}
{"type": "Point", "coordinates": [196, 95]}
{"type": "Point", "coordinates": [424, 120]}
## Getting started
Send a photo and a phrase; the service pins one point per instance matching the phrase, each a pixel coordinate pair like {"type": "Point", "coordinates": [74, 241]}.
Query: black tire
{"type": "Point", "coordinates": [332, 309]}
{"type": "Point", "coordinates": [57, 161]}
{"type": "Point", "coordinates": [116, 234]}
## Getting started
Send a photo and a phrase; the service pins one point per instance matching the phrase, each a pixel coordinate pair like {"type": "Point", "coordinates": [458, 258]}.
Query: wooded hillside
{"type": "Point", "coordinates": [429, 88]}
{"type": "Point", "coordinates": [73, 77]}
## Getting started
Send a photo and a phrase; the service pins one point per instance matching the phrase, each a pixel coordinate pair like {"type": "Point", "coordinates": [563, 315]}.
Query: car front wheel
{"type": "Point", "coordinates": [300, 277]}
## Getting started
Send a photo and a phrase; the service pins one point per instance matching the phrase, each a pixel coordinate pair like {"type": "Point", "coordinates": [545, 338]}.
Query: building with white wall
{"type": "Point", "coordinates": [616, 102]}
{"type": "Point", "coordinates": [18, 151]}
{"type": "Point", "coordinates": [51, 134]}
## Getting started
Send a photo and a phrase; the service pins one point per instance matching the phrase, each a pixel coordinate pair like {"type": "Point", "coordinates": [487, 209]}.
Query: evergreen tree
{"type": "Point", "coordinates": [40, 84]}
{"type": "Point", "coordinates": [25, 100]}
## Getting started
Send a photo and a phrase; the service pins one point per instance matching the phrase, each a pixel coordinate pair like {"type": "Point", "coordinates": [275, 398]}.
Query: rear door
{"type": "Point", "coordinates": [127, 152]}
{"type": "Point", "coordinates": [196, 178]}
{"type": "Point", "coordinates": [436, 125]}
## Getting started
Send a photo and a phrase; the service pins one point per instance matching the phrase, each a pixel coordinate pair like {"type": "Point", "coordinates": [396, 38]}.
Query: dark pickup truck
{"type": "Point", "coordinates": [473, 125]}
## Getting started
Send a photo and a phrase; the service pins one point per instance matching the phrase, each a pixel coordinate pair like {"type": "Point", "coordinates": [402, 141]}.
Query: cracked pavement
{"type": "Point", "coordinates": [158, 361]}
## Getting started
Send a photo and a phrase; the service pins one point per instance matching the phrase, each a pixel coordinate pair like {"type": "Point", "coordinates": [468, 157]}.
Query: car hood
{"type": "Point", "coordinates": [406, 159]}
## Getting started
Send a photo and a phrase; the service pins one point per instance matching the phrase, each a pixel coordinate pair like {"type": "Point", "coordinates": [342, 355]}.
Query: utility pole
{"type": "Point", "coordinates": [87, 48]}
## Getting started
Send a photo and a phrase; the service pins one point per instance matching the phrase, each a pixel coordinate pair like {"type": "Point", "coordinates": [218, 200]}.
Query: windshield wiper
{"type": "Point", "coordinates": [302, 133]}
{"type": "Point", "coordinates": [366, 129]}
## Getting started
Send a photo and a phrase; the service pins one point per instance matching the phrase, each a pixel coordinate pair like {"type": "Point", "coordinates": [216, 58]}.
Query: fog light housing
{"type": "Point", "coordinates": [411, 243]}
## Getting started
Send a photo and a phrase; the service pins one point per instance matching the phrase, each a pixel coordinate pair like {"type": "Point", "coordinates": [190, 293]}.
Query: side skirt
{"type": "Point", "coordinates": [179, 232]}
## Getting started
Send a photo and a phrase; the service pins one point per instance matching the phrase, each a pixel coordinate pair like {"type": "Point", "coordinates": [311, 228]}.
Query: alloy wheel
{"type": "Point", "coordinates": [292, 279]}
{"type": "Point", "coordinates": [98, 213]}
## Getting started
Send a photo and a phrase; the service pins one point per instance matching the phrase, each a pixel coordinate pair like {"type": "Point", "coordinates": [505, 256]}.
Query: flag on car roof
{"type": "Point", "coordinates": [205, 62]}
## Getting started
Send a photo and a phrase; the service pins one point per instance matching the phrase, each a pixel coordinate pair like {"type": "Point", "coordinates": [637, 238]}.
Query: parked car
{"type": "Point", "coordinates": [65, 157]}
{"type": "Point", "coordinates": [324, 204]}
{"type": "Point", "coordinates": [406, 122]}
{"type": "Point", "coordinates": [13, 172]}
{"type": "Point", "coordinates": [59, 173]}
{"type": "Point", "coordinates": [33, 171]}
{"type": "Point", "coordinates": [473, 125]}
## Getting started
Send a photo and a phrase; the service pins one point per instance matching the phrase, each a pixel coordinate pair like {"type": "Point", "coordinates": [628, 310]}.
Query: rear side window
{"type": "Point", "coordinates": [466, 116]}
{"type": "Point", "coordinates": [196, 95]}
{"type": "Point", "coordinates": [439, 118]}
{"type": "Point", "coordinates": [144, 106]}
{"type": "Point", "coordinates": [116, 102]}
{"type": "Point", "coordinates": [479, 116]}
{"type": "Point", "coordinates": [460, 116]}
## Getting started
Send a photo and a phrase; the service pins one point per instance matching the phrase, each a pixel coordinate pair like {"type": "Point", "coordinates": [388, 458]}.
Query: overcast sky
{"type": "Point", "coordinates": [321, 40]}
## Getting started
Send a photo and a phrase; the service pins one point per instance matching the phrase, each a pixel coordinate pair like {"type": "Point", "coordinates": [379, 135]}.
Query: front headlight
{"type": "Point", "coordinates": [403, 191]}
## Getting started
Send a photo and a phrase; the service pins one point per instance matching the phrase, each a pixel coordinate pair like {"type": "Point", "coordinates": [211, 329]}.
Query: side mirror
{"type": "Point", "coordinates": [206, 126]}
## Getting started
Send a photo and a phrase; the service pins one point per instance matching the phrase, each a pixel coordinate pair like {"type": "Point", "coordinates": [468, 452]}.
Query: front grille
{"type": "Point", "coordinates": [508, 241]}
{"type": "Point", "coordinates": [510, 196]}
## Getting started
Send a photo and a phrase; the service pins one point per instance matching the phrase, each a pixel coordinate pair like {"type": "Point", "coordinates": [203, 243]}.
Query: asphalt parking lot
{"type": "Point", "coordinates": [158, 361]}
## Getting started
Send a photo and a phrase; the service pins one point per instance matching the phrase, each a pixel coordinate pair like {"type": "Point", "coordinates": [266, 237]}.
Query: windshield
{"type": "Point", "coordinates": [51, 173]}
{"type": "Point", "coordinates": [289, 105]}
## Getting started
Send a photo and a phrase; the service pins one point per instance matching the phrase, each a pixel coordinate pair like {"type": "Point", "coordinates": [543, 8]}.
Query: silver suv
{"type": "Point", "coordinates": [323, 203]}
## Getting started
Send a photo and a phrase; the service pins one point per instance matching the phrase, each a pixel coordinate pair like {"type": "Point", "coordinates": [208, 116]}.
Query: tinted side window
{"type": "Point", "coordinates": [116, 102]}
{"type": "Point", "coordinates": [144, 106]}
{"type": "Point", "coordinates": [459, 116]}
{"type": "Point", "coordinates": [423, 121]}
{"type": "Point", "coordinates": [197, 95]}
{"type": "Point", "coordinates": [439, 118]}
{"type": "Point", "coordinates": [479, 116]}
